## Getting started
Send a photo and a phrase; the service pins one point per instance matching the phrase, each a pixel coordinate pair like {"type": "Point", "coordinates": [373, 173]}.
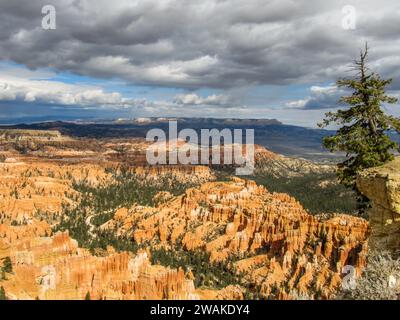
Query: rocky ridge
{"type": "Point", "coordinates": [382, 186]}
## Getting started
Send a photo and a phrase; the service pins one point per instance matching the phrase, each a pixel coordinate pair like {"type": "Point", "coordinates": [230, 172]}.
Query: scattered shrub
{"type": "Point", "coordinates": [379, 281]}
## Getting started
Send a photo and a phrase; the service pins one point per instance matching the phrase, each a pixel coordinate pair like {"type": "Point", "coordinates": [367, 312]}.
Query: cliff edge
{"type": "Point", "coordinates": [382, 186]}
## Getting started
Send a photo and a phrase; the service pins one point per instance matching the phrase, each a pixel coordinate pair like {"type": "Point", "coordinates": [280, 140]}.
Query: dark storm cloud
{"type": "Point", "coordinates": [194, 44]}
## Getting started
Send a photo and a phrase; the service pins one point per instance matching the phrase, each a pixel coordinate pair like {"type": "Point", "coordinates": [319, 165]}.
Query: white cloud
{"type": "Point", "coordinates": [319, 91]}
{"type": "Point", "coordinates": [53, 92]}
{"type": "Point", "coordinates": [321, 97]}
{"type": "Point", "coordinates": [166, 72]}
{"type": "Point", "coordinates": [194, 99]}
{"type": "Point", "coordinates": [37, 87]}
{"type": "Point", "coordinates": [297, 104]}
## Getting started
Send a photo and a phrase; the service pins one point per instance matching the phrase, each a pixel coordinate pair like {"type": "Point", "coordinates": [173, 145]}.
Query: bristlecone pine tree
{"type": "Point", "coordinates": [364, 125]}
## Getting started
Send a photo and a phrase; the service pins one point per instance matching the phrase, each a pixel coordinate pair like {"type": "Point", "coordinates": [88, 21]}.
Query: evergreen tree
{"type": "Point", "coordinates": [2, 294]}
{"type": "Point", "coordinates": [87, 297]}
{"type": "Point", "coordinates": [363, 134]}
{"type": "Point", "coordinates": [7, 265]}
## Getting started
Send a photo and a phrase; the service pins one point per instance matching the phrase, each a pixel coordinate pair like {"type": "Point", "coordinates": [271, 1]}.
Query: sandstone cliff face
{"type": "Point", "coordinates": [183, 174]}
{"type": "Point", "coordinates": [268, 163]}
{"type": "Point", "coordinates": [32, 135]}
{"type": "Point", "coordinates": [382, 186]}
{"type": "Point", "coordinates": [32, 195]}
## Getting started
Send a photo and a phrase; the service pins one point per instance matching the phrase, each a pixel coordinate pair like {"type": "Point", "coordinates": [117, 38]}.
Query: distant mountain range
{"type": "Point", "coordinates": [284, 139]}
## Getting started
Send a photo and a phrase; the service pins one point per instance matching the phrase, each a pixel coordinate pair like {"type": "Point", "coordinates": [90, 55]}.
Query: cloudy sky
{"type": "Point", "coordinates": [209, 58]}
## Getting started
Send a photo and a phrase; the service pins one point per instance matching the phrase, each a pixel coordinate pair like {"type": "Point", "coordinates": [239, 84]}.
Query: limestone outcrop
{"type": "Point", "coordinates": [382, 186]}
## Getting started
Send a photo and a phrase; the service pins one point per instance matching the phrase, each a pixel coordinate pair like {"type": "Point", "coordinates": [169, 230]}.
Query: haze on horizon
{"type": "Point", "coordinates": [242, 59]}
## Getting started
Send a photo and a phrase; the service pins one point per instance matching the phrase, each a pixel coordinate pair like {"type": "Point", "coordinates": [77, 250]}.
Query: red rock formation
{"type": "Point", "coordinates": [272, 242]}
{"type": "Point", "coordinates": [288, 248]}
{"type": "Point", "coordinates": [56, 268]}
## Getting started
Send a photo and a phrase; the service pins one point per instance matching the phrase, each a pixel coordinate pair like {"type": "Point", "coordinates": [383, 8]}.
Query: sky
{"type": "Point", "coordinates": [173, 58]}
